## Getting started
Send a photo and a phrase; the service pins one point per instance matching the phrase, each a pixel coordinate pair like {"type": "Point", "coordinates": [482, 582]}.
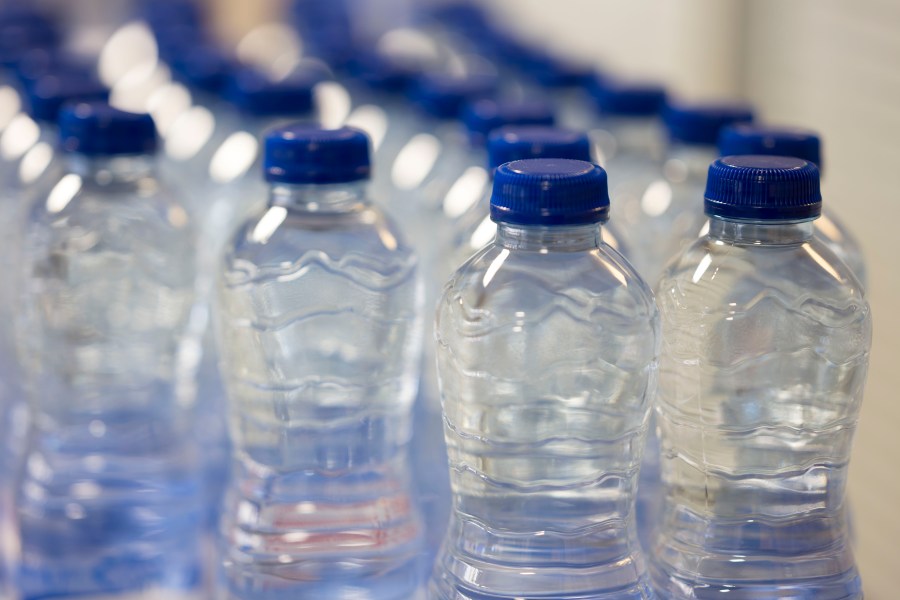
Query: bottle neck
{"type": "Point", "coordinates": [544, 239]}
{"type": "Point", "coordinates": [106, 170]}
{"type": "Point", "coordinates": [760, 233]}
{"type": "Point", "coordinates": [626, 136]}
{"type": "Point", "coordinates": [320, 198]}
{"type": "Point", "coordinates": [686, 162]}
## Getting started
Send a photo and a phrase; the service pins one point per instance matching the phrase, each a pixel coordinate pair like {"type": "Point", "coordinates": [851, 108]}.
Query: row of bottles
{"type": "Point", "coordinates": [223, 372]}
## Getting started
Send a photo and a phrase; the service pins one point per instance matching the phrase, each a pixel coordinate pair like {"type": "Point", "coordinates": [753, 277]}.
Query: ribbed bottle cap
{"type": "Point", "coordinates": [50, 93]}
{"type": "Point", "coordinates": [701, 124]}
{"type": "Point", "coordinates": [483, 116]}
{"type": "Point", "coordinates": [517, 142]}
{"type": "Point", "coordinates": [629, 99]}
{"type": "Point", "coordinates": [766, 188]}
{"type": "Point", "coordinates": [549, 191]}
{"type": "Point", "coordinates": [771, 141]}
{"type": "Point", "coordinates": [304, 154]}
{"type": "Point", "coordinates": [443, 95]}
{"type": "Point", "coordinates": [97, 129]}
{"type": "Point", "coordinates": [256, 95]}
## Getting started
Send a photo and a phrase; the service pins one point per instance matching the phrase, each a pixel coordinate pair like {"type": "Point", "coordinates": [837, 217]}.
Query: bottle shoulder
{"type": "Point", "coordinates": [500, 280]}
{"type": "Point", "coordinates": [713, 276]}
{"type": "Point", "coordinates": [147, 206]}
{"type": "Point", "coordinates": [278, 240]}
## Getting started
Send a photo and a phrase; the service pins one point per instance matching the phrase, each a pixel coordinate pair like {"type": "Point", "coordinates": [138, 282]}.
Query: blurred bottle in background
{"type": "Point", "coordinates": [660, 216]}
{"type": "Point", "coordinates": [319, 321]}
{"type": "Point", "coordinates": [799, 143]}
{"type": "Point", "coordinates": [109, 499]}
{"type": "Point", "coordinates": [766, 337]}
{"type": "Point", "coordinates": [547, 348]}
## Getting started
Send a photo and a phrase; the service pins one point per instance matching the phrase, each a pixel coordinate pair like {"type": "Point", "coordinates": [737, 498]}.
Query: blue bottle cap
{"type": "Point", "coordinates": [256, 95]}
{"type": "Point", "coordinates": [700, 124]}
{"type": "Point", "coordinates": [304, 154]}
{"type": "Point", "coordinates": [483, 116]}
{"type": "Point", "coordinates": [765, 188]}
{"type": "Point", "coordinates": [555, 72]}
{"type": "Point", "coordinates": [97, 129]}
{"type": "Point", "coordinates": [40, 62]}
{"type": "Point", "coordinates": [443, 95]}
{"type": "Point", "coordinates": [550, 191]}
{"type": "Point", "coordinates": [628, 99]}
{"type": "Point", "coordinates": [204, 67]}
{"type": "Point", "coordinates": [165, 13]}
{"type": "Point", "coordinates": [771, 141]}
{"type": "Point", "coordinates": [50, 93]}
{"type": "Point", "coordinates": [516, 142]}
{"type": "Point", "coordinates": [18, 39]}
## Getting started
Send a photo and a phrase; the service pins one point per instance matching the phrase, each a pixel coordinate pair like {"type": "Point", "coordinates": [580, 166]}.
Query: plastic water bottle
{"type": "Point", "coordinates": [108, 501]}
{"type": "Point", "coordinates": [320, 334]}
{"type": "Point", "coordinates": [799, 143]}
{"type": "Point", "coordinates": [474, 229]}
{"type": "Point", "coordinates": [660, 216]}
{"type": "Point", "coordinates": [628, 132]}
{"type": "Point", "coordinates": [547, 353]}
{"type": "Point", "coordinates": [766, 338]}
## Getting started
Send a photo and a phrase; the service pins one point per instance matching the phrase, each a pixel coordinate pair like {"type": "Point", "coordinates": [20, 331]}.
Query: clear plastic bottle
{"type": "Point", "coordinates": [547, 353]}
{"type": "Point", "coordinates": [799, 143]}
{"type": "Point", "coordinates": [659, 215]}
{"type": "Point", "coordinates": [474, 229]}
{"type": "Point", "coordinates": [766, 338]}
{"type": "Point", "coordinates": [320, 332]}
{"type": "Point", "coordinates": [108, 500]}
{"type": "Point", "coordinates": [471, 231]}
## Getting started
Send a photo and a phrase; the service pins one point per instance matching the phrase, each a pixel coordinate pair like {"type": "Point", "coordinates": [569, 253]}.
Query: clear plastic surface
{"type": "Point", "coordinates": [547, 354]}
{"type": "Point", "coordinates": [766, 337]}
{"type": "Point", "coordinates": [320, 335]}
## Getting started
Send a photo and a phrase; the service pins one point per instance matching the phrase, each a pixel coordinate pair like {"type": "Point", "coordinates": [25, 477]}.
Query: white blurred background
{"type": "Point", "coordinates": [830, 65]}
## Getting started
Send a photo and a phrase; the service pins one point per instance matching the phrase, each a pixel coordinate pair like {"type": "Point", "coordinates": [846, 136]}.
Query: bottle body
{"type": "Point", "coordinates": [766, 337]}
{"type": "Point", "coordinates": [108, 498]}
{"type": "Point", "coordinates": [547, 359]}
{"type": "Point", "coordinates": [319, 333]}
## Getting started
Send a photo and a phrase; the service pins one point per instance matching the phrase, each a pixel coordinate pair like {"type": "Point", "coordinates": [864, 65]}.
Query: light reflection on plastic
{"type": "Point", "coordinates": [607, 236]}
{"type": "Point", "coordinates": [675, 170]}
{"type": "Point", "coordinates": [827, 228]}
{"type": "Point", "coordinates": [234, 157]}
{"type": "Point", "coordinates": [701, 268]}
{"type": "Point", "coordinates": [63, 192]}
{"type": "Point", "coordinates": [371, 119]}
{"type": "Point", "coordinates": [821, 261]}
{"type": "Point", "coordinates": [483, 234]}
{"type": "Point", "coordinates": [268, 224]}
{"type": "Point", "coordinates": [35, 162]}
{"type": "Point", "coordinates": [274, 48]}
{"type": "Point", "coordinates": [495, 266]}
{"type": "Point", "coordinates": [333, 103]}
{"type": "Point", "coordinates": [10, 105]}
{"type": "Point", "coordinates": [656, 199]}
{"type": "Point", "coordinates": [166, 104]}
{"type": "Point", "coordinates": [130, 49]}
{"type": "Point", "coordinates": [704, 230]}
{"type": "Point", "coordinates": [415, 161]}
{"type": "Point", "coordinates": [135, 88]}
{"type": "Point", "coordinates": [19, 136]}
{"type": "Point", "coordinates": [387, 238]}
{"type": "Point", "coordinates": [189, 133]}
{"type": "Point", "coordinates": [465, 192]}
